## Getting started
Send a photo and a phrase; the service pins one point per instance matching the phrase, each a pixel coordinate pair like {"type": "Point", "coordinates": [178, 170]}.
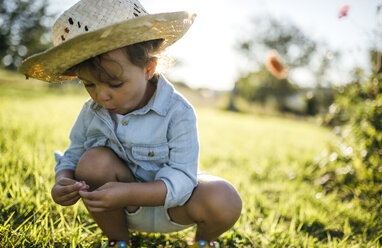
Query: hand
{"type": "Point", "coordinates": [65, 191]}
{"type": "Point", "coordinates": [108, 197]}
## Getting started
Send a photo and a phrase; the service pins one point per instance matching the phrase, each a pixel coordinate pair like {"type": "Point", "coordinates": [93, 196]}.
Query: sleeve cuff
{"type": "Point", "coordinates": [173, 200]}
{"type": "Point", "coordinates": [60, 165]}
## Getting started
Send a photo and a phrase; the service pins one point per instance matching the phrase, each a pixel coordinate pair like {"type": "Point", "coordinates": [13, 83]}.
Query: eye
{"type": "Point", "coordinates": [116, 85]}
{"type": "Point", "coordinates": [87, 84]}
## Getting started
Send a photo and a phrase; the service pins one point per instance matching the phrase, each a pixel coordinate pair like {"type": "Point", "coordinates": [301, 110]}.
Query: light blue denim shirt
{"type": "Point", "coordinates": [157, 142]}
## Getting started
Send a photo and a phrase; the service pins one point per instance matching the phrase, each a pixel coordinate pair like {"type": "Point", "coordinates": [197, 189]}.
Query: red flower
{"type": "Point", "coordinates": [275, 66]}
{"type": "Point", "coordinates": [343, 11]}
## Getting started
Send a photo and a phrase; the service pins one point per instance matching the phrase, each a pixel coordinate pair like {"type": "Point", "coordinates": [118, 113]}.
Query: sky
{"type": "Point", "coordinates": [207, 52]}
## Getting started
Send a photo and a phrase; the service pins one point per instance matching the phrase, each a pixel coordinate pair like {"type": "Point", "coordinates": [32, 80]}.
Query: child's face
{"type": "Point", "coordinates": [130, 90]}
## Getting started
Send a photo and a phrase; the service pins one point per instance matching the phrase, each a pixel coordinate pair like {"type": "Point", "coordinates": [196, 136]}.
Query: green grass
{"type": "Point", "coordinates": [268, 159]}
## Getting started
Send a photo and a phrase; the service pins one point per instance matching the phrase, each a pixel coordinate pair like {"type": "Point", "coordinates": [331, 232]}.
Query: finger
{"type": "Point", "coordinates": [85, 188]}
{"type": "Point", "coordinates": [69, 196]}
{"type": "Point", "coordinates": [84, 185]}
{"type": "Point", "coordinates": [72, 184]}
{"type": "Point", "coordinates": [63, 199]}
{"type": "Point", "coordinates": [93, 204]}
{"type": "Point", "coordinates": [94, 195]}
{"type": "Point", "coordinates": [98, 209]}
{"type": "Point", "coordinates": [69, 202]}
{"type": "Point", "coordinates": [66, 181]}
{"type": "Point", "coordinates": [71, 188]}
{"type": "Point", "coordinates": [72, 201]}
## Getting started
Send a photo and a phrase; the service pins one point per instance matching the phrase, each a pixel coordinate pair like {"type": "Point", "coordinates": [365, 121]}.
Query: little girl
{"type": "Point", "coordinates": [133, 156]}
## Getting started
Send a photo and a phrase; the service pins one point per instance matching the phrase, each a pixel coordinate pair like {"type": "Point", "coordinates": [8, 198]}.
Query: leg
{"type": "Point", "coordinates": [96, 167]}
{"type": "Point", "coordinates": [215, 206]}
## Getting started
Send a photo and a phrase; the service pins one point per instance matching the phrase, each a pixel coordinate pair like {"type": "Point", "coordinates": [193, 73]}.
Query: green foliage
{"type": "Point", "coordinates": [266, 158]}
{"type": "Point", "coordinates": [295, 49]}
{"type": "Point", "coordinates": [22, 26]}
{"type": "Point", "coordinates": [352, 166]}
{"type": "Point", "coordinates": [294, 46]}
{"type": "Point", "coordinates": [298, 51]}
{"type": "Point", "coordinates": [262, 87]}
{"type": "Point", "coordinates": [358, 112]}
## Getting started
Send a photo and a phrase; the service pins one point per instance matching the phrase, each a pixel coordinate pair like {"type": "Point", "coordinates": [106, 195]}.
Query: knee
{"type": "Point", "coordinates": [222, 202]}
{"type": "Point", "coordinates": [225, 202]}
{"type": "Point", "coordinates": [95, 167]}
{"type": "Point", "coordinates": [92, 164]}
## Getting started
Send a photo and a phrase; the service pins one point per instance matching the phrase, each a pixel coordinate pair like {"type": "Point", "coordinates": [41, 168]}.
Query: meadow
{"type": "Point", "coordinates": [270, 160]}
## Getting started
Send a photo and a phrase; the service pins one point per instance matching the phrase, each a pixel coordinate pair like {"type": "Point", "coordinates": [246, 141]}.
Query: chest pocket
{"type": "Point", "coordinates": [95, 141]}
{"type": "Point", "coordinates": [151, 157]}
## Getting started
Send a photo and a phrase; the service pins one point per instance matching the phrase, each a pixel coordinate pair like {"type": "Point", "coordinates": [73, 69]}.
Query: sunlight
{"type": "Point", "coordinates": [207, 57]}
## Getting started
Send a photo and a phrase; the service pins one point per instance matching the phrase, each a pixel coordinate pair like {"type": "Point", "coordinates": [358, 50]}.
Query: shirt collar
{"type": "Point", "coordinates": [159, 102]}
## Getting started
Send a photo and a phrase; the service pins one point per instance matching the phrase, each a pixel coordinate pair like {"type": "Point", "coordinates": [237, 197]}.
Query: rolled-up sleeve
{"type": "Point", "coordinates": [180, 174]}
{"type": "Point", "coordinates": [73, 153]}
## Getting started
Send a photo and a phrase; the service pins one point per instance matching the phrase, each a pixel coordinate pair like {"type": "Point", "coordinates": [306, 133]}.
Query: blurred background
{"type": "Point", "coordinates": [227, 47]}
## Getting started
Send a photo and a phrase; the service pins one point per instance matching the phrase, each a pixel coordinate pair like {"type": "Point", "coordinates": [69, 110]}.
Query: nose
{"type": "Point", "coordinates": [103, 93]}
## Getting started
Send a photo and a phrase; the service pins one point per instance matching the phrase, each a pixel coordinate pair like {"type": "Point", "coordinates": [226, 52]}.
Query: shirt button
{"type": "Point", "coordinates": [151, 154]}
{"type": "Point", "coordinates": [120, 149]}
{"type": "Point", "coordinates": [125, 122]}
{"type": "Point", "coordinates": [132, 164]}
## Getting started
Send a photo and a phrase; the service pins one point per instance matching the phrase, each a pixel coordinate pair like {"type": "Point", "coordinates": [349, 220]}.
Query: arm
{"type": "Point", "coordinates": [64, 174]}
{"type": "Point", "coordinates": [115, 195]}
{"type": "Point", "coordinates": [69, 160]}
{"type": "Point", "coordinates": [65, 190]}
{"type": "Point", "coordinates": [180, 174]}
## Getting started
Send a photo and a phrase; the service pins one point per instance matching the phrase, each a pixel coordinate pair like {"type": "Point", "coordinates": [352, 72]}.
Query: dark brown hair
{"type": "Point", "coordinates": [139, 54]}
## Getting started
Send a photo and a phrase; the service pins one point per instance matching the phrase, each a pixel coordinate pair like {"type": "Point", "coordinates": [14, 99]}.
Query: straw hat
{"type": "Point", "coordinates": [93, 27]}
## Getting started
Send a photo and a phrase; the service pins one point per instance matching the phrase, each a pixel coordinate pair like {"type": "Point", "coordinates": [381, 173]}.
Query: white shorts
{"type": "Point", "coordinates": [152, 220]}
{"type": "Point", "coordinates": [155, 219]}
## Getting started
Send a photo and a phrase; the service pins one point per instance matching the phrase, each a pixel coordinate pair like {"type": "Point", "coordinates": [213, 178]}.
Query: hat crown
{"type": "Point", "coordinates": [90, 15]}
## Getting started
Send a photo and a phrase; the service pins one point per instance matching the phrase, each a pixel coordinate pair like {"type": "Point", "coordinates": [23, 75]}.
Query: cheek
{"type": "Point", "coordinates": [88, 90]}
{"type": "Point", "coordinates": [91, 93]}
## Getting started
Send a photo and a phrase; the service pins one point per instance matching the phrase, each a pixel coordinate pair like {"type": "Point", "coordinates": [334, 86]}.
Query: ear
{"type": "Point", "coordinates": [151, 68]}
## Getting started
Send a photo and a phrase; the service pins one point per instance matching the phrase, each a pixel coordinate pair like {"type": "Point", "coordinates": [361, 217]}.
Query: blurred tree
{"type": "Point", "coordinates": [23, 28]}
{"type": "Point", "coordinates": [297, 50]}
{"type": "Point", "coordinates": [262, 87]}
{"type": "Point", "coordinates": [294, 47]}
{"type": "Point", "coordinates": [350, 98]}
{"type": "Point", "coordinates": [323, 96]}
{"type": "Point", "coordinates": [376, 61]}
{"type": "Point", "coordinates": [231, 103]}
{"type": "Point", "coordinates": [351, 166]}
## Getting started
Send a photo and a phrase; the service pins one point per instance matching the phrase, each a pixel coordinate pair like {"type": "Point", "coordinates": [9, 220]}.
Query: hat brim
{"type": "Point", "coordinates": [51, 64]}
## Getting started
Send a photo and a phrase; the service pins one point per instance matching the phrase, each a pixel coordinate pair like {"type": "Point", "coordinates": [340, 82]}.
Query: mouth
{"type": "Point", "coordinates": [111, 110]}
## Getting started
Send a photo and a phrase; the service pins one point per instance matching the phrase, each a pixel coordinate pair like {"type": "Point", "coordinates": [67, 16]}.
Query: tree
{"type": "Point", "coordinates": [262, 87]}
{"type": "Point", "coordinates": [296, 49]}
{"type": "Point", "coordinates": [351, 166]}
{"type": "Point", "coordinates": [23, 28]}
